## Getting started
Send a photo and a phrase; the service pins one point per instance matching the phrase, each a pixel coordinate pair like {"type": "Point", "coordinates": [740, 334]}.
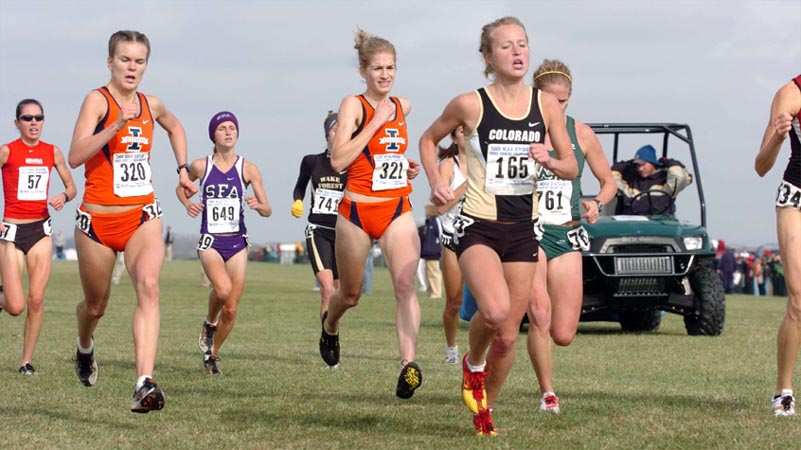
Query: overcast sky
{"type": "Point", "coordinates": [281, 65]}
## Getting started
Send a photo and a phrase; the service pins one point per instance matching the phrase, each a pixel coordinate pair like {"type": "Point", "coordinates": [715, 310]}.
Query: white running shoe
{"type": "Point", "coordinates": [452, 355]}
{"type": "Point", "coordinates": [784, 404]}
{"type": "Point", "coordinates": [549, 403]}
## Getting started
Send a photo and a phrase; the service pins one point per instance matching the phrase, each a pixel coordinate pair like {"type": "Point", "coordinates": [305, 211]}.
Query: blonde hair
{"type": "Point", "coordinates": [485, 46]}
{"type": "Point", "coordinates": [552, 71]}
{"type": "Point", "coordinates": [369, 45]}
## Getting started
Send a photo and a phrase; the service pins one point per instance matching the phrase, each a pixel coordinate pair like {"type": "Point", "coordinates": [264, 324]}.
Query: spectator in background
{"type": "Point", "coordinates": [431, 252]}
{"type": "Point", "coordinates": [169, 239]}
{"type": "Point", "coordinates": [60, 241]}
{"type": "Point", "coordinates": [422, 286]}
{"type": "Point", "coordinates": [727, 264]}
{"type": "Point", "coordinates": [367, 281]}
{"type": "Point", "coordinates": [777, 275]}
{"type": "Point", "coordinates": [748, 274]}
{"type": "Point", "coordinates": [739, 274]}
{"type": "Point", "coordinates": [644, 182]}
{"type": "Point", "coordinates": [758, 274]}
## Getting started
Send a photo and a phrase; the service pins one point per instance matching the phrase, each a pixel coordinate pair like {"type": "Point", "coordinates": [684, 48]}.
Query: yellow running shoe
{"type": "Point", "coordinates": [473, 392]}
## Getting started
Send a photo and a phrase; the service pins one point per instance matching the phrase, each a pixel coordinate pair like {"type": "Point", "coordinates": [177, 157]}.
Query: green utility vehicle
{"type": "Point", "coordinates": [638, 267]}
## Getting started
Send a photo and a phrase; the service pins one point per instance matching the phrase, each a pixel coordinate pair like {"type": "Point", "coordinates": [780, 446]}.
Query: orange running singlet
{"type": "Point", "coordinates": [380, 170]}
{"type": "Point", "coordinates": [26, 180]}
{"type": "Point", "coordinates": [120, 174]}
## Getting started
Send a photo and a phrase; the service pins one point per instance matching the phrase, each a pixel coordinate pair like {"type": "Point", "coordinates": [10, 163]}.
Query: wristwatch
{"type": "Point", "coordinates": [182, 166]}
{"type": "Point", "coordinates": [600, 205]}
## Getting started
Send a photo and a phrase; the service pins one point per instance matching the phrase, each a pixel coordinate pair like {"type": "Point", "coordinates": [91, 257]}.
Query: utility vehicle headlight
{"type": "Point", "coordinates": [693, 242]}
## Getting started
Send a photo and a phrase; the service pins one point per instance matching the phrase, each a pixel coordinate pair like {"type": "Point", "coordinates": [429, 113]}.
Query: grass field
{"type": "Point", "coordinates": [656, 390]}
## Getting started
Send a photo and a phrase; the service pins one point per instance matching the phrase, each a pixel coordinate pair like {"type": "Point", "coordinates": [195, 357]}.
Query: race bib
{"type": "Point", "coordinates": [326, 201]}
{"type": "Point", "coordinates": [47, 226]}
{"type": "Point", "coordinates": [32, 183]}
{"type": "Point", "coordinates": [788, 196]}
{"type": "Point", "coordinates": [222, 215]}
{"type": "Point", "coordinates": [510, 170]}
{"type": "Point", "coordinates": [132, 174]}
{"type": "Point", "coordinates": [579, 239]}
{"type": "Point", "coordinates": [460, 224]}
{"type": "Point", "coordinates": [553, 197]}
{"type": "Point", "coordinates": [389, 172]}
{"type": "Point", "coordinates": [205, 242]}
{"type": "Point", "coordinates": [9, 233]}
{"type": "Point", "coordinates": [83, 221]}
{"type": "Point", "coordinates": [153, 210]}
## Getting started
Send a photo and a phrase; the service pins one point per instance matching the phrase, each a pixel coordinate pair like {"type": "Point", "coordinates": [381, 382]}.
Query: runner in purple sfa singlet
{"type": "Point", "coordinates": [224, 177]}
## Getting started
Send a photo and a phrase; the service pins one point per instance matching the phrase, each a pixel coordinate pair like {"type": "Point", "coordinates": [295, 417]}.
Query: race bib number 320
{"type": "Point", "coordinates": [132, 174]}
{"type": "Point", "coordinates": [510, 170]}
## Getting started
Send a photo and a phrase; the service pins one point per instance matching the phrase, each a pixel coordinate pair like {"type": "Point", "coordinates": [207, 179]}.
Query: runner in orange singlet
{"type": "Point", "coordinates": [371, 142]}
{"type": "Point", "coordinates": [112, 140]}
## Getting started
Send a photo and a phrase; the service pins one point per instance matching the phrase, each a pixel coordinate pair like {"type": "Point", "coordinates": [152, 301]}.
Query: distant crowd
{"type": "Point", "coordinates": [758, 273]}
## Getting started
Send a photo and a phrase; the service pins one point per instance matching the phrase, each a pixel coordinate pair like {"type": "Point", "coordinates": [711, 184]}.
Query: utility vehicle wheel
{"type": "Point", "coordinates": [640, 320]}
{"type": "Point", "coordinates": [711, 300]}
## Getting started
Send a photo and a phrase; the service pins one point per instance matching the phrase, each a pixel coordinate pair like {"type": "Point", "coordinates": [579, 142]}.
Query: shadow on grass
{"type": "Point", "coordinates": [17, 410]}
{"type": "Point", "coordinates": [681, 402]}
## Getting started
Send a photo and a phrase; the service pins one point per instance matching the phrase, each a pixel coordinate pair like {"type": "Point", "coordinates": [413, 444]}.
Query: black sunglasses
{"type": "Point", "coordinates": [28, 117]}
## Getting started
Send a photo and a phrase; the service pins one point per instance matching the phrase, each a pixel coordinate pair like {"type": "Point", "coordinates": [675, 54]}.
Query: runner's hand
{"type": "Point", "coordinates": [297, 208]}
{"type": "Point", "coordinates": [194, 209]}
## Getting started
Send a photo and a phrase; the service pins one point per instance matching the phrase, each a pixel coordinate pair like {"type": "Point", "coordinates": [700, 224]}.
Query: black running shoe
{"type": "Point", "coordinates": [329, 346]}
{"type": "Point", "coordinates": [210, 364]}
{"type": "Point", "coordinates": [410, 378]}
{"type": "Point", "coordinates": [206, 339]}
{"type": "Point", "coordinates": [147, 398]}
{"type": "Point", "coordinates": [86, 368]}
{"type": "Point", "coordinates": [27, 369]}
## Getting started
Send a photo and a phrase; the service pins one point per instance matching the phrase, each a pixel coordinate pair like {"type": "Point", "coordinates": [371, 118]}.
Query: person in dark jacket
{"type": "Point", "coordinates": [647, 185]}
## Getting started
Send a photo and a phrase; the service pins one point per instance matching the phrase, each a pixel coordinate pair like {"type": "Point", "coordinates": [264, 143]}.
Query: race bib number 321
{"type": "Point", "coordinates": [390, 172]}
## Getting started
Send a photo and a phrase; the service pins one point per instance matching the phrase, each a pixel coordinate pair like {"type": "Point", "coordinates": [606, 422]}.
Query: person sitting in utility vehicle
{"type": "Point", "coordinates": [647, 185]}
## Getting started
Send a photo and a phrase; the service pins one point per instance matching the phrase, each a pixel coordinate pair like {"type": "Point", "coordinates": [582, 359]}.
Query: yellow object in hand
{"type": "Point", "coordinates": [297, 208]}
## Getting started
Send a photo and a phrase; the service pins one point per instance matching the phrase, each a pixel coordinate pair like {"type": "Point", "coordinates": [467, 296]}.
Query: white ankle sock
{"type": "Point", "coordinates": [141, 380]}
{"type": "Point", "coordinates": [86, 351]}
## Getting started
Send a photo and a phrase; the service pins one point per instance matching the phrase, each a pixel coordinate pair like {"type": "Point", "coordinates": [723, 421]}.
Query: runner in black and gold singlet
{"type": "Point", "coordinates": [504, 125]}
